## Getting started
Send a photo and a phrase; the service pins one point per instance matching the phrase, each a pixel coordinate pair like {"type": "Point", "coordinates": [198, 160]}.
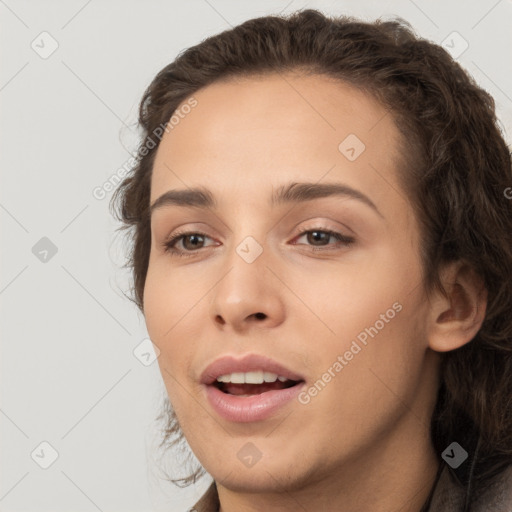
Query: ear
{"type": "Point", "coordinates": [455, 319]}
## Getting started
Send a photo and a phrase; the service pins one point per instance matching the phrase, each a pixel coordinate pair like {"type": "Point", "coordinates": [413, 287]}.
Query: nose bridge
{"type": "Point", "coordinates": [248, 289]}
{"type": "Point", "coordinates": [245, 264]}
{"type": "Point", "coordinates": [248, 248]}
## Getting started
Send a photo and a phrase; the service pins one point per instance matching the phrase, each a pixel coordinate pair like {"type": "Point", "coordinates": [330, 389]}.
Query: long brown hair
{"type": "Point", "coordinates": [455, 166]}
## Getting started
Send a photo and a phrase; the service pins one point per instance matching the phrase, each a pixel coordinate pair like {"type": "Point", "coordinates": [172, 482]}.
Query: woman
{"type": "Point", "coordinates": [322, 253]}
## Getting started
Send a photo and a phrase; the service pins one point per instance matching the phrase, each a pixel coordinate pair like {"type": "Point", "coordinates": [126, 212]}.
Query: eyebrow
{"type": "Point", "coordinates": [201, 197]}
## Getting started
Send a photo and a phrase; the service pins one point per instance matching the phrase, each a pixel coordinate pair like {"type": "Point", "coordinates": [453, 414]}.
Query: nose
{"type": "Point", "coordinates": [248, 295]}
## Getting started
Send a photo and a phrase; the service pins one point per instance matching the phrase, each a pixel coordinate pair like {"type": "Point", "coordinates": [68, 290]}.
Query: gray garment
{"type": "Point", "coordinates": [449, 494]}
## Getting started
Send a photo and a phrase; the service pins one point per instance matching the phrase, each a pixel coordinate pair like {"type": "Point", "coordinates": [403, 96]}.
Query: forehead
{"type": "Point", "coordinates": [254, 133]}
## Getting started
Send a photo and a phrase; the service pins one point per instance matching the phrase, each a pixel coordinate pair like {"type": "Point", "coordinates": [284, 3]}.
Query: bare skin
{"type": "Point", "coordinates": [362, 442]}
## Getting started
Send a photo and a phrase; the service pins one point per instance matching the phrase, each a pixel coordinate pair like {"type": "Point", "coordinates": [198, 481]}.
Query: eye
{"type": "Point", "coordinates": [190, 241]}
{"type": "Point", "coordinates": [319, 238]}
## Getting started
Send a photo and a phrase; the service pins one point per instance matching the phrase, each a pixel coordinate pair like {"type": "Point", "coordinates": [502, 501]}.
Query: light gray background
{"type": "Point", "coordinates": [69, 375]}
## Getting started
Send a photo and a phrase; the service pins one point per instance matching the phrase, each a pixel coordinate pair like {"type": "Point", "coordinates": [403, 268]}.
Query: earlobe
{"type": "Point", "coordinates": [455, 318]}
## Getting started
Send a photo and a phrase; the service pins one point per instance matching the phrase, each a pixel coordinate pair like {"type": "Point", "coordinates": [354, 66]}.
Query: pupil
{"type": "Point", "coordinates": [318, 236]}
{"type": "Point", "coordinates": [190, 237]}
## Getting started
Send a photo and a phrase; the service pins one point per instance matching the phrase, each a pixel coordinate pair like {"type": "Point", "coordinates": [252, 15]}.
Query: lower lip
{"type": "Point", "coordinates": [250, 408]}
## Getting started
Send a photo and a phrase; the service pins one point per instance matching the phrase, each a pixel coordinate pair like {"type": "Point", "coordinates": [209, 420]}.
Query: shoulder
{"type": "Point", "coordinates": [497, 496]}
{"type": "Point", "coordinates": [449, 495]}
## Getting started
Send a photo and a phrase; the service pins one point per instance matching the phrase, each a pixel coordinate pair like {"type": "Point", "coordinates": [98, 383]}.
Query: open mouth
{"type": "Point", "coordinates": [245, 389]}
{"type": "Point", "coordinates": [244, 402]}
{"type": "Point", "coordinates": [251, 389]}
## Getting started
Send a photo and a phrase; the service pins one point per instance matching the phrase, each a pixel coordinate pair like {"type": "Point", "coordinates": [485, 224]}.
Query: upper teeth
{"type": "Point", "coordinates": [257, 377]}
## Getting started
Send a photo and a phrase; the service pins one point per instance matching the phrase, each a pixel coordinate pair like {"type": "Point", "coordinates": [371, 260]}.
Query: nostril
{"type": "Point", "coordinates": [260, 316]}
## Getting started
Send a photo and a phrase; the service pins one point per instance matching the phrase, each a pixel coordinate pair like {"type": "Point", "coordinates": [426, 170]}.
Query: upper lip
{"type": "Point", "coordinates": [251, 362]}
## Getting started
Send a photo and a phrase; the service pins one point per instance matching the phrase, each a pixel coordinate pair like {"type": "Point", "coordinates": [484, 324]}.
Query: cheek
{"type": "Point", "coordinates": [362, 376]}
{"type": "Point", "coordinates": [168, 295]}
{"type": "Point", "coordinates": [372, 317]}
{"type": "Point", "coordinates": [166, 303]}
{"type": "Point", "coordinates": [344, 300]}
{"type": "Point", "coordinates": [169, 300]}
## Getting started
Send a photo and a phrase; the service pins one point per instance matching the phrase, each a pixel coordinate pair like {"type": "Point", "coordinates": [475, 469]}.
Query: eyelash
{"type": "Point", "coordinates": [170, 243]}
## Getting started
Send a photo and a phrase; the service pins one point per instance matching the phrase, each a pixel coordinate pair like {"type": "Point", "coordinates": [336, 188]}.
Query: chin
{"type": "Point", "coordinates": [259, 480]}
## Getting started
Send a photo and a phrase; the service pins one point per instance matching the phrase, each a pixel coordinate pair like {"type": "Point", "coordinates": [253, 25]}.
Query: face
{"type": "Point", "coordinates": [319, 285]}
